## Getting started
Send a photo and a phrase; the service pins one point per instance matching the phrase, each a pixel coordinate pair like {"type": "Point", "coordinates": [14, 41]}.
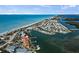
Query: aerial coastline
{"type": "Point", "coordinates": [46, 31]}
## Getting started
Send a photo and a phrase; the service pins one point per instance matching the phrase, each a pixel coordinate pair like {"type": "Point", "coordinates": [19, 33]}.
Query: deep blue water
{"type": "Point", "coordinates": [53, 43]}
{"type": "Point", "coordinates": [8, 22]}
{"type": "Point", "coordinates": [63, 21]}
{"type": "Point", "coordinates": [71, 16]}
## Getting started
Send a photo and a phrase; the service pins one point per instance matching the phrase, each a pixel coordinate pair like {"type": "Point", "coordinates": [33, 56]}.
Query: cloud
{"type": "Point", "coordinates": [72, 5]}
{"type": "Point", "coordinates": [39, 9]}
{"type": "Point", "coordinates": [17, 11]}
{"type": "Point", "coordinates": [20, 9]}
{"type": "Point", "coordinates": [46, 6]}
{"type": "Point", "coordinates": [68, 6]}
{"type": "Point", "coordinates": [8, 10]}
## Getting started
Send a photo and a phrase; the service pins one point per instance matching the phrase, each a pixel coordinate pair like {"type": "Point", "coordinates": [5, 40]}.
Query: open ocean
{"type": "Point", "coordinates": [9, 22]}
{"type": "Point", "coordinates": [48, 43]}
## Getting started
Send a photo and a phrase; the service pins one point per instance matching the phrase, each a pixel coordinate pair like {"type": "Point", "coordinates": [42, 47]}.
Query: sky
{"type": "Point", "coordinates": [39, 9]}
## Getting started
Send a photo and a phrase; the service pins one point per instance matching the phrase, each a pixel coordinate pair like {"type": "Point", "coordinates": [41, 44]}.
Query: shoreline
{"type": "Point", "coordinates": [14, 29]}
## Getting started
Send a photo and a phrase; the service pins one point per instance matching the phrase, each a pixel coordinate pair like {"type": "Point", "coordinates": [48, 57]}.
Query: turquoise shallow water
{"type": "Point", "coordinates": [49, 43]}
{"type": "Point", "coordinates": [8, 22]}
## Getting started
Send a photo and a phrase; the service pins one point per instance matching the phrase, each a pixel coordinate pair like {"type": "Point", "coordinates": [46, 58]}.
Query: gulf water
{"type": "Point", "coordinates": [9, 22]}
